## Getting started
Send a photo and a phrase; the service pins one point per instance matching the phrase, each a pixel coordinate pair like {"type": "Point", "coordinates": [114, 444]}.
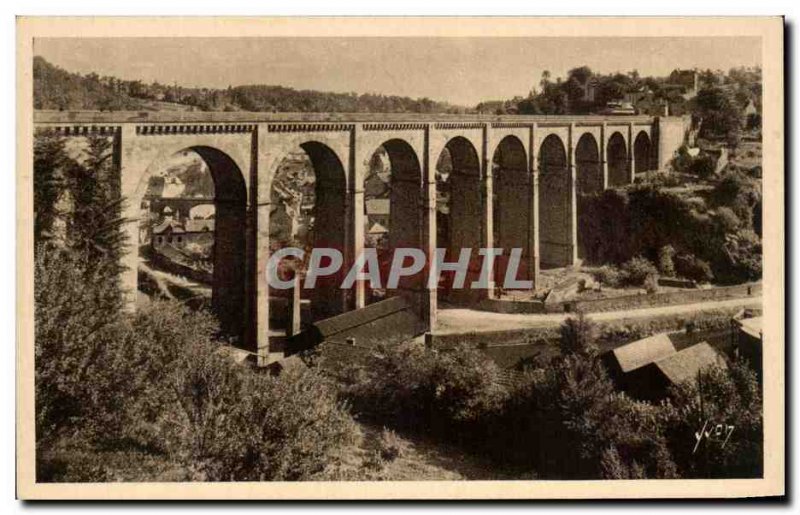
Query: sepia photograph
{"type": "Point", "coordinates": [488, 259]}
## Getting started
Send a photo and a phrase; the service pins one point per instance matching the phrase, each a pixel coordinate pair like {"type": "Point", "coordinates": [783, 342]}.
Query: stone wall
{"type": "Point", "coordinates": [672, 133]}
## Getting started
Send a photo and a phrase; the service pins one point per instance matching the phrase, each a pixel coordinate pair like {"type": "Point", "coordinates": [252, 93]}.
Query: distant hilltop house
{"type": "Point", "coordinates": [687, 80]}
{"type": "Point", "coordinates": [648, 368]}
{"type": "Point", "coordinates": [619, 108]}
{"type": "Point", "coordinates": [637, 95]}
{"type": "Point", "coordinates": [589, 88]}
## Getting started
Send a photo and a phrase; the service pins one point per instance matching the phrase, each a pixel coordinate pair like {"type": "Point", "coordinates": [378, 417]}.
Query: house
{"type": "Point", "coordinates": [623, 362]}
{"type": "Point", "coordinates": [653, 381]}
{"type": "Point", "coordinates": [619, 108]}
{"type": "Point", "coordinates": [687, 80]}
{"type": "Point", "coordinates": [182, 235]}
{"type": "Point", "coordinates": [377, 210]}
{"type": "Point", "coordinates": [589, 88]}
{"type": "Point", "coordinates": [748, 342]}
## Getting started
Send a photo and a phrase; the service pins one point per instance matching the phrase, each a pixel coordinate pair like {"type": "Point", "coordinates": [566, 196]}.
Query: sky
{"type": "Point", "coordinates": [462, 71]}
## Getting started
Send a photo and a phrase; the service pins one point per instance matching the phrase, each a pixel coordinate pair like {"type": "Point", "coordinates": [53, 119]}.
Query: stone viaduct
{"type": "Point", "coordinates": [514, 184]}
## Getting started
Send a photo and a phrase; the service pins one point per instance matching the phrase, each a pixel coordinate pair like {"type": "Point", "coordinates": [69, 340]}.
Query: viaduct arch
{"type": "Point", "coordinates": [457, 181]}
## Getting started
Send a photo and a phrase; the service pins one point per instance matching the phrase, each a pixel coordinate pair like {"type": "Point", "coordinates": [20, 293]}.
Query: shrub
{"type": "Point", "coordinates": [666, 265]}
{"type": "Point", "coordinates": [636, 271]}
{"type": "Point", "coordinates": [608, 275]}
{"type": "Point", "coordinates": [690, 267]}
{"type": "Point", "coordinates": [567, 416]}
{"type": "Point", "coordinates": [162, 384]}
{"type": "Point", "coordinates": [682, 161]}
{"type": "Point", "coordinates": [741, 257]}
{"type": "Point", "coordinates": [578, 335]}
{"type": "Point", "coordinates": [428, 390]}
{"type": "Point", "coordinates": [726, 220]}
{"type": "Point", "coordinates": [389, 445]}
{"type": "Point", "coordinates": [75, 330]}
{"type": "Point", "coordinates": [703, 166]}
{"type": "Point", "coordinates": [729, 397]}
{"type": "Point", "coordinates": [663, 179]}
{"type": "Point", "coordinates": [253, 427]}
{"type": "Point", "coordinates": [651, 284]}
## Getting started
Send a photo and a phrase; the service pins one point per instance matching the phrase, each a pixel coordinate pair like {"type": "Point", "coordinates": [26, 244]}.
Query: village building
{"type": "Point", "coordinates": [654, 381]}
{"type": "Point", "coordinates": [749, 338]}
{"type": "Point", "coordinates": [625, 363]}
{"type": "Point", "coordinates": [646, 369]}
{"type": "Point", "coordinates": [183, 235]}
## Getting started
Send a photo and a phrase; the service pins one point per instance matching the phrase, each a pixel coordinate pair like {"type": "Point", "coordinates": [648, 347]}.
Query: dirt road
{"type": "Point", "coordinates": [451, 321]}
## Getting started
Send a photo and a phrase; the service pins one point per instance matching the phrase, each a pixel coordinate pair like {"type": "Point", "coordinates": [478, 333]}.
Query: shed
{"type": "Point", "coordinates": [654, 380]}
{"type": "Point", "coordinates": [628, 358]}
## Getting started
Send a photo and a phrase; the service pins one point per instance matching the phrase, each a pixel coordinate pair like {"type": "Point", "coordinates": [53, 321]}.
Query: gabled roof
{"type": "Point", "coordinates": [168, 224]}
{"type": "Point", "coordinates": [643, 352]}
{"type": "Point", "coordinates": [377, 229]}
{"type": "Point", "coordinates": [685, 365]}
{"type": "Point", "coordinates": [752, 326]}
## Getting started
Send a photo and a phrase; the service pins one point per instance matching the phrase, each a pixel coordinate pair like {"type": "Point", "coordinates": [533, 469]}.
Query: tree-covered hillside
{"type": "Point", "coordinates": [56, 88]}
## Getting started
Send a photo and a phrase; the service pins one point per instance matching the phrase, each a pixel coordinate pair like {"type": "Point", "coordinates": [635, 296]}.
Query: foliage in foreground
{"type": "Point", "coordinates": [155, 394]}
{"type": "Point", "coordinates": [564, 420]}
{"type": "Point", "coordinates": [158, 384]}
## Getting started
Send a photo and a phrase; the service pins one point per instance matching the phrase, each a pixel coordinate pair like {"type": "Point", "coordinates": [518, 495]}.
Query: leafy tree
{"type": "Point", "coordinates": [581, 74]}
{"type": "Point", "coordinates": [719, 112]}
{"type": "Point", "coordinates": [577, 336]}
{"type": "Point", "coordinates": [574, 425]}
{"type": "Point", "coordinates": [728, 398]}
{"type": "Point", "coordinates": [666, 265]}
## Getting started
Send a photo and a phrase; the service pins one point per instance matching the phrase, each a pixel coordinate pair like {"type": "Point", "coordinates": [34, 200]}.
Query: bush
{"type": "Point", "coordinates": [390, 446]}
{"type": "Point", "coordinates": [690, 267]}
{"type": "Point", "coordinates": [636, 271]}
{"type": "Point", "coordinates": [427, 390]}
{"type": "Point", "coordinates": [663, 179]}
{"type": "Point", "coordinates": [683, 161]}
{"type": "Point", "coordinates": [651, 284]}
{"type": "Point", "coordinates": [607, 275]}
{"type": "Point", "coordinates": [729, 397]}
{"type": "Point", "coordinates": [703, 166]}
{"type": "Point", "coordinates": [253, 427]}
{"type": "Point", "coordinates": [741, 258]}
{"type": "Point", "coordinates": [76, 329]}
{"type": "Point", "coordinates": [565, 418]}
{"type": "Point", "coordinates": [666, 265]}
{"type": "Point", "coordinates": [161, 384]}
{"type": "Point", "coordinates": [578, 335]}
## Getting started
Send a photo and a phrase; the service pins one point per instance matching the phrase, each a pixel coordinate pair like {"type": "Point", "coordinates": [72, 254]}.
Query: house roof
{"type": "Point", "coordinates": [643, 352]}
{"type": "Point", "coordinates": [377, 229]}
{"type": "Point", "coordinates": [685, 364]}
{"type": "Point", "coordinates": [752, 326]}
{"type": "Point", "coordinates": [168, 224]}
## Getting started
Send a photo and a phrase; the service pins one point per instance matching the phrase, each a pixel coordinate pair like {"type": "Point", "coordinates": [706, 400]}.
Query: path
{"type": "Point", "coordinates": [168, 283]}
{"type": "Point", "coordinates": [453, 321]}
